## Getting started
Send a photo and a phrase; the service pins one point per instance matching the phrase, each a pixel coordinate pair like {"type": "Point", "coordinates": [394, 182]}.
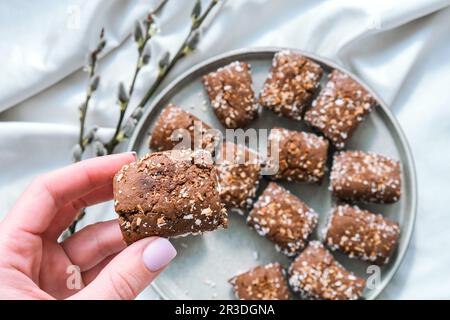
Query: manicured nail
{"type": "Point", "coordinates": [134, 154]}
{"type": "Point", "coordinates": [158, 254]}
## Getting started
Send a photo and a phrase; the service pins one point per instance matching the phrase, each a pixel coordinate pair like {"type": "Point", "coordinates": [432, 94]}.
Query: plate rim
{"type": "Point", "coordinates": [330, 63]}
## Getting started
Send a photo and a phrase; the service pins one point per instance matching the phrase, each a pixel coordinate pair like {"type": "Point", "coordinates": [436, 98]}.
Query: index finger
{"type": "Point", "coordinates": [36, 208]}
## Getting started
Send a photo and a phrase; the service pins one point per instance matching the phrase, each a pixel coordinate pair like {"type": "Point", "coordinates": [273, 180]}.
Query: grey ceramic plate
{"type": "Point", "coordinates": [205, 263]}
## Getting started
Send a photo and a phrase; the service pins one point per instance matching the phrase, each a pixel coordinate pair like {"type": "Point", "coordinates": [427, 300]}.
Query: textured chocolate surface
{"type": "Point", "coordinates": [361, 234]}
{"type": "Point", "coordinates": [302, 156]}
{"type": "Point", "coordinates": [283, 218]}
{"type": "Point", "coordinates": [239, 173]}
{"type": "Point", "coordinates": [261, 283]}
{"type": "Point", "coordinates": [168, 194]}
{"type": "Point", "coordinates": [173, 120]}
{"type": "Point", "coordinates": [369, 177]}
{"type": "Point", "coordinates": [339, 108]}
{"type": "Point", "coordinates": [231, 94]}
{"type": "Point", "coordinates": [290, 84]}
{"type": "Point", "coordinates": [315, 274]}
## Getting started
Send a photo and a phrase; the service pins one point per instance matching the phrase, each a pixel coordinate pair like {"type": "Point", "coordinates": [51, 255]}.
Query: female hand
{"type": "Point", "coordinates": [33, 265]}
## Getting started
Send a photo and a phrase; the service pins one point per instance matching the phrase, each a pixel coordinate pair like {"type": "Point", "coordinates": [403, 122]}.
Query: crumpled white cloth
{"type": "Point", "coordinates": [400, 48]}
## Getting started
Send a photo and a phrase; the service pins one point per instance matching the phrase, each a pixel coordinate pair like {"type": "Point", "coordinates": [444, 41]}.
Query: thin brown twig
{"type": "Point", "coordinates": [84, 140]}
{"type": "Point", "coordinates": [179, 55]}
{"type": "Point", "coordinates": [187, 46]}
{"type": "Point", "coordinates": [115, 139]}
{"type": "Point", "coordinates": [93, 83]}
{"type": "Point", "coordinates": [159, 7]}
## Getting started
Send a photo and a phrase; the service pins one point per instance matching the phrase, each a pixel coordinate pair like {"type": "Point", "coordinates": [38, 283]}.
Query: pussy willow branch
{"type": "Point", "coordinates": [93, 82]}
{"type": "Point", "coordinates": [165, 66]}
{"type": "Point", "coordinates": [186, 47]}
{"type": "Point", "coordinates": [85, 140]}
{"type": "Point", "coordinates": [143, 58]}
{"type": "Point", "coordinates": [159, 7]}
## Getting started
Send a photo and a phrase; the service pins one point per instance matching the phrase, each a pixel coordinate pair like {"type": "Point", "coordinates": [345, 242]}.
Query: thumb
{"type": "Point", "coordinates": [131, 271]}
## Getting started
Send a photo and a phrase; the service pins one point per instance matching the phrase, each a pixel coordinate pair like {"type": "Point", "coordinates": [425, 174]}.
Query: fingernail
{"type": "Point", "coordinates": [134, 154]}
{"type": "Point", "coordinates": [158, 254]}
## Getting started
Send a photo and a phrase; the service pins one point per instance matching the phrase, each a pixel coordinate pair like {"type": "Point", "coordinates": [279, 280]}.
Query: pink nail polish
{"type": "Point", "coordinates": [158, 254]}
{"type": "Point", "coordinates": [134, 153]}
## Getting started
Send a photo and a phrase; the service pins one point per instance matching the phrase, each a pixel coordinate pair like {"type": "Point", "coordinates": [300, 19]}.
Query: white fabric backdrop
{"type": "Point", "coordinates": [401, 48]}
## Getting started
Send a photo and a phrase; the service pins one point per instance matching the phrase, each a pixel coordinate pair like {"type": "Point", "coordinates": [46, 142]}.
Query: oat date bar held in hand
{"type": "Point", "coordinates": [168, 194]}
{"type": "Point", "coordinates": [261, 283]}
{"type": "Point", "coordinates": [231, 94]}
{"type": "Point", "coordinates": [361, 234]}
{"type": "Point", "coordinates": [291, 84]}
